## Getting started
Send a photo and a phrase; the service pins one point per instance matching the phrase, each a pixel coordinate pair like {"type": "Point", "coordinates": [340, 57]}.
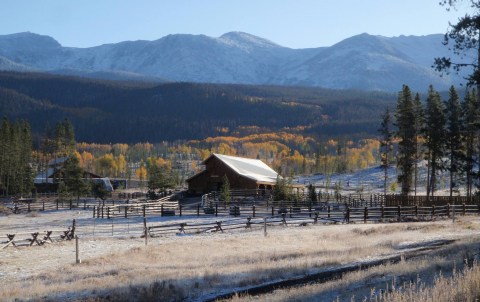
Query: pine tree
{"type": "Point", "coordinates": [454, 144]}
{"type": "Point", "coordinates": [404, 115]}
{"type": "Point", "coordinates": [312, 193]}
{"type": "Point", "coordinates": [282, 189]}
{"type": "Point", "coordinates": [386, 145]}
{"type": "Point", "coordinates": [25, 167]}
{"type": "Point", "coordinates": [419, 123]}
{"type": "Point", "coordinates": [464, 35]}
{"type": "Point", "coordinates": [16, 175]}
{"type": "Point", "coordinates": [73, 176]}
{"type": "Point", "coordinates": [69, 139]}
{"type": "Point", "coordinates": [59, 140]}
{"type": "Point", "coordinates": [471, 116]}
{"type": "Point", "coordinates": [225, 192]}
{"type": "Point", "coordinates": [435, 136]}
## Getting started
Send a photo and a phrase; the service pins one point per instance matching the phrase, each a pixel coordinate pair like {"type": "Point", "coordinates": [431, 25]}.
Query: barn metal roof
{"type": "Point", "coordinates": [251, 168]}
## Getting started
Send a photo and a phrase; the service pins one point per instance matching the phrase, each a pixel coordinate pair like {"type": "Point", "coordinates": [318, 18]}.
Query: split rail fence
{"type": "Point", "coordinates": [349, 215]}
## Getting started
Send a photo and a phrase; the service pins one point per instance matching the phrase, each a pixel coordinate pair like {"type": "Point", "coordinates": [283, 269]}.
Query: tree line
{"type": "Point", "coordinates": [16, 172]}
{"type": "Point", "coordinates": [445, 133]}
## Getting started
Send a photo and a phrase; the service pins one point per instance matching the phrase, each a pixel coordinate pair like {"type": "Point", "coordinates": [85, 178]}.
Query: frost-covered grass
{"type": "Point", "coordinates": [195, 267]}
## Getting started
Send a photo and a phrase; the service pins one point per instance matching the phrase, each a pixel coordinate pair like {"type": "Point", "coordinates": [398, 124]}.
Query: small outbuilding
{"type": "Point", "coordinates": [242, 174]}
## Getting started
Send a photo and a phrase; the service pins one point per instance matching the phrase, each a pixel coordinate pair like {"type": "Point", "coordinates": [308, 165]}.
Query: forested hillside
{"type": "Point", "coordinates": [110, 112]}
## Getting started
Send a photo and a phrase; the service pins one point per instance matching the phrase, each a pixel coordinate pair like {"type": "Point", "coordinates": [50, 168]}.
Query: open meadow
{"type": "Point", "coordinates": [215, 265]}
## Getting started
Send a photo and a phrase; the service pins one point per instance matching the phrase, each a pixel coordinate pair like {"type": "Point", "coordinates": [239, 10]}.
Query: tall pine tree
{"type": "Point", "coordinates": [435, 136]}
{"type": "Point", "coordinates": [470, 137]}
{"type": "Point", "coordinates": [404, 115]}
{"type": "Point", "coordinates": [454, 146]}
{"type": "Point", "coordinates": [386, 145]}
{"type": "Point", "coordinates": [419, 122]}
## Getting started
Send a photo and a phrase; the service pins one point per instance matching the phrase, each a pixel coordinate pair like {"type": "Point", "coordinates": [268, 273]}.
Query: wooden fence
{"type": "Point", "coordinates": [394, 200]}
{"type": "Point", "coordinates": [302, 218]}
{"type": "Point", "coordinates": [247, 217]}
{"type": "Point", "coordinates": [52, 203]}
{"type": "Point", "coordinates": [161, 207]}
{"type": "Point", "coordinates": [39, 237]}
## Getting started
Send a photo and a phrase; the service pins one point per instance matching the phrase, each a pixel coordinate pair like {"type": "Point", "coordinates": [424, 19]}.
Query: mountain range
{"type": "Point", "coordinates": [364, 62]}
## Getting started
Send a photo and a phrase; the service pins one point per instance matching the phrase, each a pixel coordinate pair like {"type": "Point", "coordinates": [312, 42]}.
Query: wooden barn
{"type": "Point", "coordinates": [242, 173]}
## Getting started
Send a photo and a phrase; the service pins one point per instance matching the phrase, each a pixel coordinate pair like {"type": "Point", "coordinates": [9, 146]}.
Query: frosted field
{"type": "Point", "coordinates": [195, 267]}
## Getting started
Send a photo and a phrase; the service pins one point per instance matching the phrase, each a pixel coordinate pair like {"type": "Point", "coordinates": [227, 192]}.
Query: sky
{"type": "Point", "coordinates": [290, 23]}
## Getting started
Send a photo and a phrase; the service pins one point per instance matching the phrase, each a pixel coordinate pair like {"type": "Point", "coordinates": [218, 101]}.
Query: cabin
{"type": "Point", "coordinates": [242, 174]}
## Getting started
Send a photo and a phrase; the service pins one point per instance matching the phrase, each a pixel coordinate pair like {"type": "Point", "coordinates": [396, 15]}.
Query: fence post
{"type": "Point", "coordinates": [464, 209]}
{"type": "Point", "coordinates": [416, 210]}
{"type": "Point", "coordinates": [347, 215]}
{"type": "Point", "coordinates": [108, 212]}
{"type": "Point", "coordinates": [70, 204]}
{"type": "Point", "coordinates": [144, 210]}
{"type": "Point", "coordinates": [291, 211]}
{"type": "Point", "coordinates": [93, 211]}
{"type": "Point", "coordinates": [433, 211]}
{"type": "Point", "coordinates": [180, 208]}
{"type": "Point", "coordinates": [74, 225]}
{"type": "Point", "coordinates": [102, 211]}
{"type": "Point", "coordinates": [382, 212]}
{"type": "Point", "coordinates": [399, 213]}
{"type": "Point", "coordinates": [328, 210]}
{"type": "Point", "coordinates": [365, 215]}
{"type": "Point", "coordinates": [265, 226]}
{"type": "Point", "coordinates": [145, 231]}
{"type": "Point", "coordinates": [77, 259]}
{"type": "Point", "coordinates": [448, 210]}
{"type": "Point", "coordinates": [253, 210]}
{"type": "Point", "coordinates": [43, 205]}
{"type": "Point", "coordinates": [273, 211]}
{"type": "Point", "coordinates": [216, 209]}
{"type": "Point", "coordinates": [126, 210]}
{"type": "Point", "coordinates": [310, 209]}
{"type": "Point", "coordinates": [161, 210]}
{"type": "Point", "coordinates": [198, 209]}
{"type": "Point", "coordinates": [57, 204]}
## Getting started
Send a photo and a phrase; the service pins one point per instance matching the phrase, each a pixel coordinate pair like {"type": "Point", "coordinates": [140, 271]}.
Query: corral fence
{"type": "Point", "coordinates": [348, 215]}
{"type": "Point", "coordinates": [51, 202]}
{"type": "Point", "coordinates": [421, 200]}
{"type": "Point", "coordinates": [160, 207]}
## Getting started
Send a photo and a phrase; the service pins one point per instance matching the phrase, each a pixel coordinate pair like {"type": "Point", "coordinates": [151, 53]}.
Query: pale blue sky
{"type": "Point", "coordinates": [291, 23]}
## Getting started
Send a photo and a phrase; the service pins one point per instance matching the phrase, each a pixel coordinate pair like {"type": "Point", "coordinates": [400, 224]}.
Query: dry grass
{"type": "Point", "coordinates": [462, 286]}
{"type": "Point", "coordinates": [189, 267]}
{"type": "Point", "coordinates": [426, 278]}
{"type": "Point", "coordinates": [4, 211]}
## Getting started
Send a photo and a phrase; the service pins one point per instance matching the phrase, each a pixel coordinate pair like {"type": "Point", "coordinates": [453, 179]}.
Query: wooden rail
{"type": "Point", "coordinates": [39, 237]}
{"type": "Point", "coordinates": [306, 216]}
{"type": "Point", "coordinates": [163, 207]}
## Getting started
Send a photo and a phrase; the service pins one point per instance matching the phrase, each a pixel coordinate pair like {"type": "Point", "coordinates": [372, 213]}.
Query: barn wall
{"type": "Point", "coordinates": [211, 179]}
